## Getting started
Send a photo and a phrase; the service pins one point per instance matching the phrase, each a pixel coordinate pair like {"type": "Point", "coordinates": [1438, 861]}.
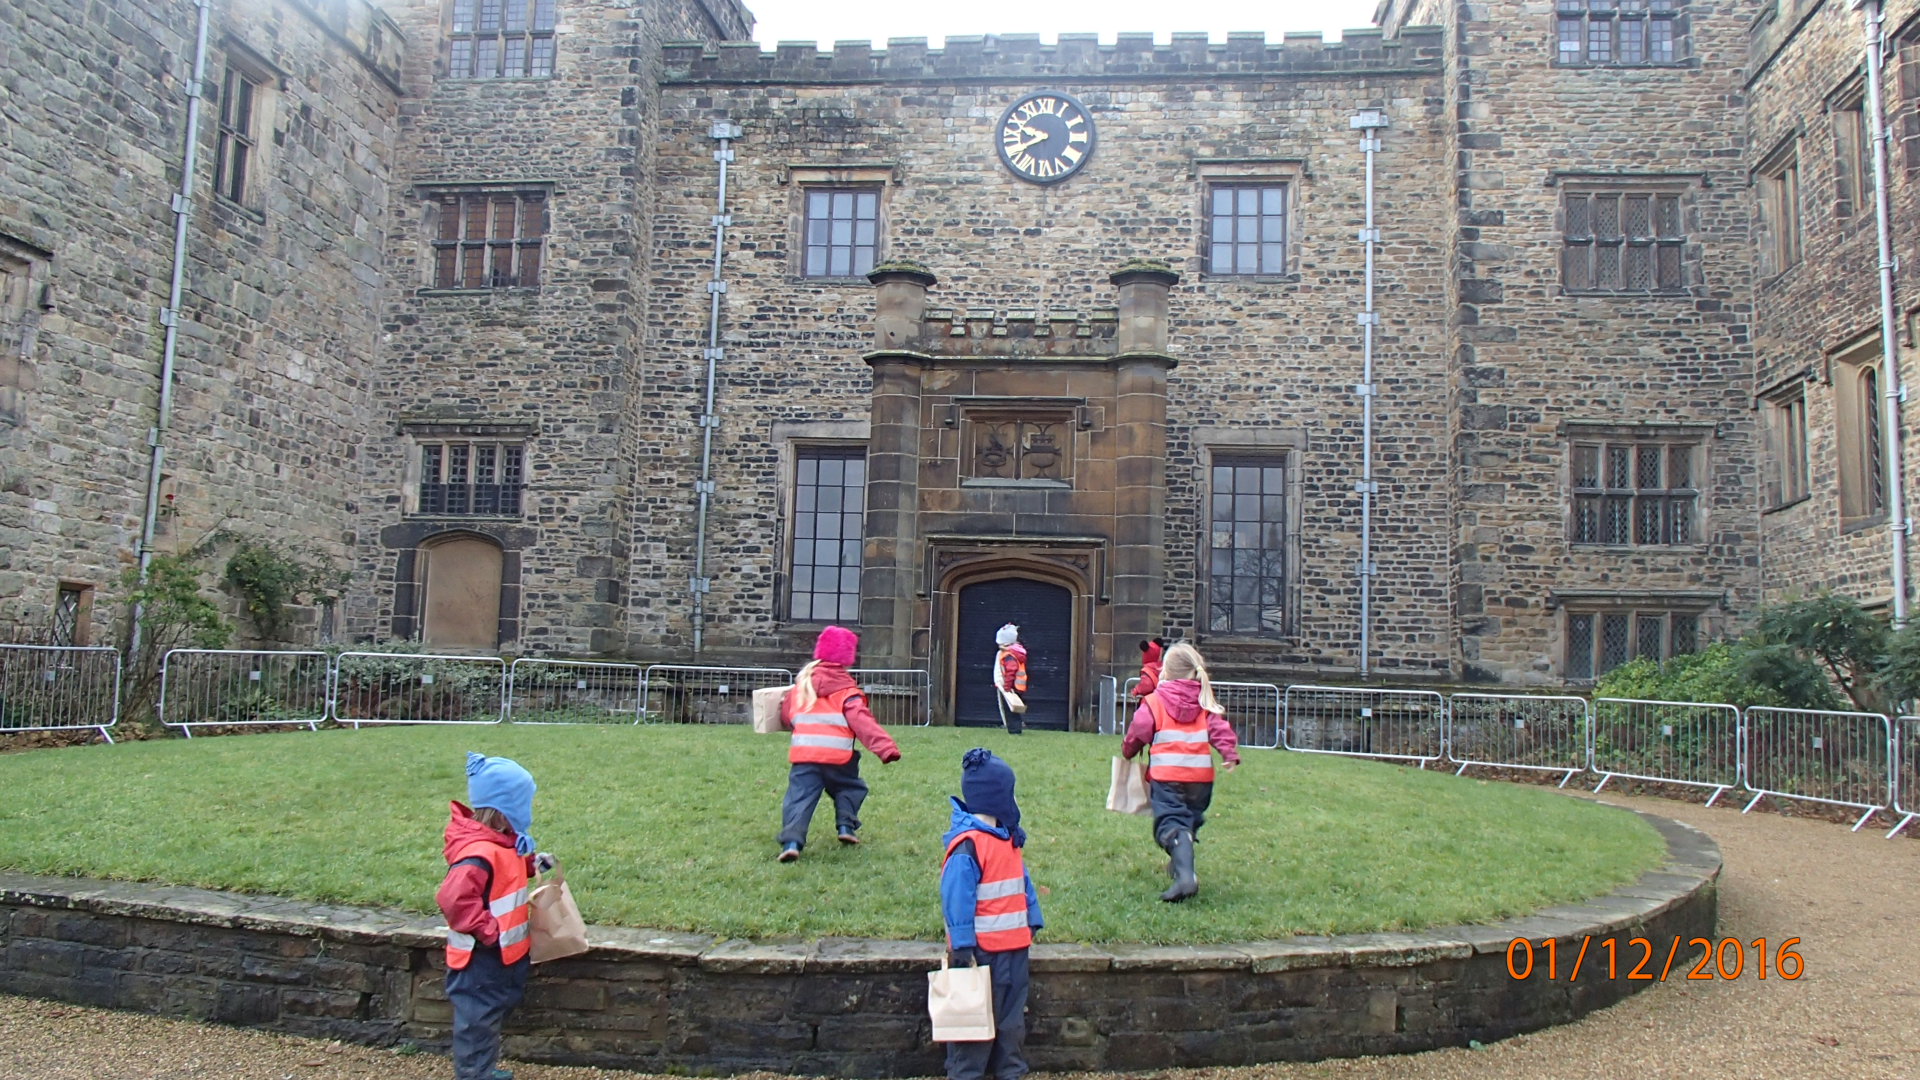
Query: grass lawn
{"type": "Point", "coordinates": [673, 827]}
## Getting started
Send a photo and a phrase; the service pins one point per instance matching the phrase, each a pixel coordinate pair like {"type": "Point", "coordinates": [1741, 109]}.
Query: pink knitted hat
{"type": "Point", "coordinates": [837, 645]}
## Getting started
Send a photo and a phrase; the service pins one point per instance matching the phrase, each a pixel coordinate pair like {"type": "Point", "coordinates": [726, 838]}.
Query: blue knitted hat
{"type": "Point", "coordinates": [501, 784]}
{"type": "Point", "coordinates": [986, 787]}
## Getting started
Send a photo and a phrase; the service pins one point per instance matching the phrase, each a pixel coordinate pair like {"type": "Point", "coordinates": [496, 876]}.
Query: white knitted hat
{"type": "Point", "coordinates": [1006, 635]}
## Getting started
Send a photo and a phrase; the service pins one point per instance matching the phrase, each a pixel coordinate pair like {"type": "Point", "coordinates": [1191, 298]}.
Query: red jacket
{"type": "Point", "coordinates": [463, 895]}
{"type": "Point", "coordinates": [832, 678]}
{"type": "Point", "coordinates": [1182, 699]}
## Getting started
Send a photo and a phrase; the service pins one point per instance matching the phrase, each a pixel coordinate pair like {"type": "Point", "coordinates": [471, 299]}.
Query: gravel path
{"type": "Point", "coordinates": [1853, 1015]}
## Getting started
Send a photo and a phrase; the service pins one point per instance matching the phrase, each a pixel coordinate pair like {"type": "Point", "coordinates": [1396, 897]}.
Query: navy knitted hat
{"type": "Point", "coordinates": [986, 787]}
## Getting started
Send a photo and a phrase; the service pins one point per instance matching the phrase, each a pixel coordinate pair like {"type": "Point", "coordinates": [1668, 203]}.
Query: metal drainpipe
{"type": "Point", "coordinates": [725, 132]}
{"type": "Point", "coordinates": [1894, 390]}
{"type": "Point", "coordinates": [1368, 122]}
{"type": "Point", "coordinates": [170, 315]}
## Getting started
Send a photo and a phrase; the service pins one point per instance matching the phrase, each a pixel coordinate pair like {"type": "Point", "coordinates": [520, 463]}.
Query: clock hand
{"type": "Point", "coordinates": [1038, 137]}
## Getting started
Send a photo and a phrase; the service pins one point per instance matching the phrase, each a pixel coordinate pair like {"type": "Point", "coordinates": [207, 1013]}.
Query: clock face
{"type": "Point", "coordinates": [1046, 137]}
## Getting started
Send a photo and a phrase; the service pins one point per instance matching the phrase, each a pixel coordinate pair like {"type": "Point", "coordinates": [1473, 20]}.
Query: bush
{"type": "Point", "coordinates": [1735, 673]}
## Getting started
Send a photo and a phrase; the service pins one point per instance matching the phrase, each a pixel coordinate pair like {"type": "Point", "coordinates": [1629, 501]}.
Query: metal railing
{"type": "Point", "coordinates": [412, 688]}
{"type": "Point", "coordinates": [689, 694]}
{"type": "Point", "coordinates": [1669, 742]}
{"type": "Point", "coordinates": [243, 688]}
{"type": "Point", "coordinates": [1107, 705]}
{"type": "Point", "coordinates": [898, 696]}
{"type": "Point", "coordinates": [1401, 725]}
{"type": "Point", "coordinates": [574, 692]}
{"type": "Point", "coordinates": [1906, 777]}
{"type": "Point", "coordinates": [1837, 758]}
{"type": "Point", "coordinates": [59, 688]}
{"type": "Point", "coordinates": [1254, 710]}
{"type": "Point", "coordinates": [1519, 731]}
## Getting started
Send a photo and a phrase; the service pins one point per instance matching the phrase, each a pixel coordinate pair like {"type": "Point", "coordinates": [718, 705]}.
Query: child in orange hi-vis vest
{"type": "Point", "coordinates": [484, 898]}
{"type": "Point", "coordinates": [1183, 723]}
{"type": "Point", "coordinates": [827, 714]}
{"type": "Point", "coordinates": [1010, 676]}
{"type": "Point", "coordinates": [991, 910]}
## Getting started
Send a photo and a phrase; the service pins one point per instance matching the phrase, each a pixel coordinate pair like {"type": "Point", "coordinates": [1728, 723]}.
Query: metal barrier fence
{"type": "Point", "coordinates": [1404, 725]}
{"type": "Point", "coordinates": [59, 688]}
{"type": "Point", "coordinates": [574, 692]}
{"type": "Point", "coordinates": [1838, 758]}
{"type": "Point", "coordinates": [1670, 742]}
{"type": "Point", "coordinates": [1518, 731]}
{"type": "Point", "coordinates": [408, 688]}
{"type": "Point", "coordinates": [1254, 710]}
{"type": "Point", "coordinates": [1906, 763]}
{"type": "Point", "coordinates": [243, 688]}
{"type": "Point", "coordinates": [897, 696]}
{"type": "Point", "coordinates": [687, 694]}
{"type": "Point", "coordinates": [1107, 705]}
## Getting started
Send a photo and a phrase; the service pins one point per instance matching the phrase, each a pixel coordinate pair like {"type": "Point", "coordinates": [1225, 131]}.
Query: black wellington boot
{"type": "Point", "coordinates": [1181, 867]}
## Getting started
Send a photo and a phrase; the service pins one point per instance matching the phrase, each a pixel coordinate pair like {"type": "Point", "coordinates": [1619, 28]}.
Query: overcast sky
{"type": "Point", "coordinates": [878, 20]}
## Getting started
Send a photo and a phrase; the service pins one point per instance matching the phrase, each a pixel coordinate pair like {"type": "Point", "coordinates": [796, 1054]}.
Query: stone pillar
{"type": "Point", "coordinates": [1140, 453]}
{"type": "Point", "coordinates": [890, 561]}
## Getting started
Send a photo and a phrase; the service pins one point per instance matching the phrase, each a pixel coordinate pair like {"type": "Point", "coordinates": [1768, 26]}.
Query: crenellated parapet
{"type": "Point", "coordinates": [995, 56]}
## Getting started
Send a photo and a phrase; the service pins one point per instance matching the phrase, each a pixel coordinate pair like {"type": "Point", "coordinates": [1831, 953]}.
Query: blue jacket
{"type": "Point", "coordinates": [960, 882]}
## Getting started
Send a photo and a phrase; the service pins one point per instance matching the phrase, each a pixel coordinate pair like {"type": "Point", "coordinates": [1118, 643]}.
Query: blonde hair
{"type": "Point", "coordinates": [804, 693]}
{"type": "Point", "coordinates": [493, 819]}
{"type": "Point", "coordinates": [1183, 655]}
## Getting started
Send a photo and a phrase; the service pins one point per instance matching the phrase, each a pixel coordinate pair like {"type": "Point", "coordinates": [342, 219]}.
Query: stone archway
{"type": "Point", "coordinates": [460, 579]}
{"type": "Point", "coordinates": [1044, 612]}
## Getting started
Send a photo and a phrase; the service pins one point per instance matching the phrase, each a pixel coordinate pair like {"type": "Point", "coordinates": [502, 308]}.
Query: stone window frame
{"type": "Point", "coordinates": [1288, 174]}
{"type": "Point", "coordinates": [1783, 424]}
{"type": "Point", "coordinates": [874, 178]}
{"type": "Point", "coordinates": [1608, 436]}
{"type": "Point", "coordinates": [72, 613]}
{"type": "Point", "coordinates": [1589, 622]}
{"type": "Point", "coordinates": [1854, 373]}
{"type": "Point", "coordinates": [1602, 24]}
{"type": "Point", "coordinates": [1779, 208]}
{"type": "Point", "coordinates": [465, 40]}
{"type": "Point", "coordinates": [1906, 41]}
{"type": "Point", "coordinates": [435, 199]}
{"type": "Point", "coordinates": [1852, 151]}
{"type": "Point", "coordinates": [25, 292]}
{"type": "Point", "coordinates": [243, 145]}
{"type": "Point", "coordinates": [1287, 448]}
{"type": "Point", "coordinates": [1666, 241]}
{"type": "Point", "coordinates": [419, 434]}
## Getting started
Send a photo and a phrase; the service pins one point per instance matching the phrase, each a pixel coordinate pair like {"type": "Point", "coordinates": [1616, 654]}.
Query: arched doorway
{"type": "Point", "coordinates": [1044, 613]}
{"type": "Point", "coordinates": [460, 577]}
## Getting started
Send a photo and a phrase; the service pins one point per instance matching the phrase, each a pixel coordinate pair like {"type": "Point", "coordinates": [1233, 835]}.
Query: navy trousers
{"type": "Point", "coordinates": [482, 994]}
{"type": "Point", "coordinates": [1177, 805]}
{"type": "Point", "coordinates": [1005, 1057]}
{"type": "Point", "coordinates": [805, 782]}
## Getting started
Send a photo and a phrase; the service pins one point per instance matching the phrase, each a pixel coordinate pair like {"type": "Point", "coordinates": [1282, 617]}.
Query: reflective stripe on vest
{"type": "Point", "coordinates": [506, 901]}
{"type": "Point", "coordinates": [1000, 904]}
{"type": "Point", "coordinates": [1181, 753]}
{"type": "Point", "coordinates": [1013, 671]}
{"type": "Point", "coordinates": [822, 736]}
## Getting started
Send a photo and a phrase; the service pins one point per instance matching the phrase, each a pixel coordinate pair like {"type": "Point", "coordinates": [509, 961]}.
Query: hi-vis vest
{"type": "Point", "coordinates": [506, 899]}
{"type": "Point", "coordinates": [1180, 753]}
{"type": "Point", "coordinates": [1000, 907]}
{"type": "Point", "coordinates": [1013, 672]}
{"type": "Point", "coordinates": [821, 735]}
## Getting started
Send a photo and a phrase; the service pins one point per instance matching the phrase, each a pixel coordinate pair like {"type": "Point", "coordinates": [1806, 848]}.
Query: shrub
{"type": "Point", "coordinates": [1736, 673]}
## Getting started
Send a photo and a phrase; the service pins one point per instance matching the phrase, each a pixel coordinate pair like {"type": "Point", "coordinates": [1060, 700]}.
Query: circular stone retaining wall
{"type": "Point", "coordinates": [653, 1000]}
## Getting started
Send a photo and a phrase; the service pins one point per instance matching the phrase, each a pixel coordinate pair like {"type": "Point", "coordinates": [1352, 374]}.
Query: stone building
{"type": "Point", "coordinates": [607, 331]}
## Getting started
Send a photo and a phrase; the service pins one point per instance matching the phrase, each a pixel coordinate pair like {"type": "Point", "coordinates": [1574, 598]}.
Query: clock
{"type": "Point", "coordinates": [1045, 137]}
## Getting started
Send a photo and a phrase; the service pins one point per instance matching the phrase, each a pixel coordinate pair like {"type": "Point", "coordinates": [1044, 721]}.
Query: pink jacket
{"type": "Point", "coordinates": [1182, 698]}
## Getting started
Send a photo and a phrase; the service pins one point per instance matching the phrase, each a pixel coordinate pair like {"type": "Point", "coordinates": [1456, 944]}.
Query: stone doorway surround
{"type": "Point", "coordinates": [1073, 563]}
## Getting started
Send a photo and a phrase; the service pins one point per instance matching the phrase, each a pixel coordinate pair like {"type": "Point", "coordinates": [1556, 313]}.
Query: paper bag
{"type": "Point", "coordinates": [766, 708]}
{"type": "Point", "coordinates": [553, 921]}
{"type": "Point", "coordinates": [1127, 791]}
{"type": "Point", "coordinates": [960, 1001]}
{"type": "Point", "coordinates": [1014, 702]}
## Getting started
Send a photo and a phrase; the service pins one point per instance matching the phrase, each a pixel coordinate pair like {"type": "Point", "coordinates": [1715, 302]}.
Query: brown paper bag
{"type": "Point", "coordinates": [1014, 702]}
{"type": "Point", "coordinates": [1127, 791]}
{"type": "Point", "coordinates": [554, 921]}
{"type": "Point", "coordinates": [766, 709]}
{"type": "Point", "coordinates": [960, 1001]}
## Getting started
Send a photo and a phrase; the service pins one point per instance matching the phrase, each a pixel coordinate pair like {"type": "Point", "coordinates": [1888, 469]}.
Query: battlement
{"type": "Point", "coordinates": [994, 56]}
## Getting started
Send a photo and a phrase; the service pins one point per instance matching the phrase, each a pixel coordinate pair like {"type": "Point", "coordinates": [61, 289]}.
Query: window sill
{"type": "Point", "coordinates": [1248, 641]}
{"type": "Point", "coordinates": [1638, 549]}
{"type": "Point", "coordinates": [1849, 526]}
{"type": "Point", "coordinates": [1683, 64]}
{"type": "Point", "coordinates": [258, 217]}
{"type": "Point", "coordinates": [1251, 279]}
{"type": "Point", "coordinates": [1629, 294]}
{"type": "Point", "coordinates": [1029, 485]}
{"type": "Point", "coordinates": [1787, 505]}
{"type": "Point", "coordinates": [417, 516]}
{"type": "Point", "coordinates": [470, 79]}
{"type": "Point", "coordinates": [824, 279]}
{"type": "Point", "coordinates": [1777, 279]}
{"type": "Point", "coordinates": [504, 290]}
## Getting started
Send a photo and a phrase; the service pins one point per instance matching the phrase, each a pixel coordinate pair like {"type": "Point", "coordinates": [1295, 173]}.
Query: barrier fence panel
{"type": "Point", "coordinates": [573, 692]}
{"type": "Point", "coordinates": [1906, 785]}
{"type": "Point", "coordinates": [1669, 742]}
{"type": "Point", "coordinates": [897, 696]}
{"type": "Point", "coordinates": [1107, 718]}
{"type": "Point", "coordinates": [1518, 731]}
{"type": "Point", "coordinates": [1405, 725]}
{"type": "Point", "coordinates": [59, 688]}
{"type": "Point", "coordinates": [1253, 709]}
{"type": "Point", "coordinates": [688, 694]}
{"type": "Point", "coordinates": [1838, 758]}
{"type": "Point", "coordinates": [243, 688]}
{"type": "Point", "coordinates": [410, 688]}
